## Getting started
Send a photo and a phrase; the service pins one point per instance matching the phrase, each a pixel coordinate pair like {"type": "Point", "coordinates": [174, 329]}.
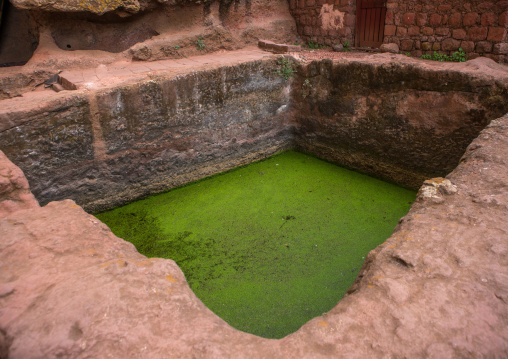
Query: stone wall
{"type": "Point", "coordinates": [121, 143]}
{"type": "Point", "coordinates": [402, 122]}
{"type": "Point", "coordinates": [398, 120]}
{"type": "Point", "coordinates": [419, 27]}
{"type": "Point", "coordinates": [478, 27]}
{"type": "Point", "coordinates": [325, 22]}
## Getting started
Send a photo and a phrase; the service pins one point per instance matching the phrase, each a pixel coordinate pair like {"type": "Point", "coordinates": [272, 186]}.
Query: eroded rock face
{"type": "Point", "coordinates": [14, 190]}
{"type": "Point", "coordinates": [436, 288]}
{"type": "Point", "coordinates": [397, 120]}
{"type": "Point", "coordinates": [96, 7]}
{"type": "Point", "coordinates": [127, 141]}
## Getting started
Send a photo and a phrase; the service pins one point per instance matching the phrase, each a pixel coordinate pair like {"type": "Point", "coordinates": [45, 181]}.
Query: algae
{"type": "Point", "coordinates": [269, 246]}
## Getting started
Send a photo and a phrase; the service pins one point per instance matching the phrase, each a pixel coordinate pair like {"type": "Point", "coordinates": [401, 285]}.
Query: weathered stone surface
{"type": "Point", "coordinates": [436, 288]}
{"type": "Point", "coordinates": [387, 119]}
{"type": "Point", "coordinates": [393, 48]}
{"type": "Point", "coordinates": [97, 7]}
{"type": "Point", "coordinates": [14, 190]}
{"type": "Point", "coordinates": [338, 47]}
{"type": "Point", "coordinates": [278, 48]}
{"type": "Point", "coordinates": [130, 140]}
{"type": "Point", "coordinates": [52, 141]}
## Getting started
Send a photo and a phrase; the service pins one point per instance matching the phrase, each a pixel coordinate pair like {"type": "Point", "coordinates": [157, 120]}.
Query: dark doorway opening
{"type": "Point", "coordinates": [18, 35]}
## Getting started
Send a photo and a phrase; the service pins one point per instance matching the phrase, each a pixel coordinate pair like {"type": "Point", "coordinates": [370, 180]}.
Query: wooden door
{"type": "Point", "coordinates": [370, 23]}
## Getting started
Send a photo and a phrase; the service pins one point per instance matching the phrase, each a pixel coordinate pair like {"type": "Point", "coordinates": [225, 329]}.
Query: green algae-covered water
{"type": "Point", "coordinates": [269, 246]}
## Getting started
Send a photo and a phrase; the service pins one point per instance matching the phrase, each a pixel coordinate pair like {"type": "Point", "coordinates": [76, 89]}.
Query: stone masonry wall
{"type": "Point", "coordinates": [325, 22]}
{"type": "Point", "coordinates": [419, 26]}
{"type": "Point", "coordinates": [478, 27]}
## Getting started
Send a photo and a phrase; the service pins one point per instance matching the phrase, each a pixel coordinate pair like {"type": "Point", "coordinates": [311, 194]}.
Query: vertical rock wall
{"type": "Point", "coordinates": [399, 121]}
{"type": "Point", "coordinates": [115, 145]}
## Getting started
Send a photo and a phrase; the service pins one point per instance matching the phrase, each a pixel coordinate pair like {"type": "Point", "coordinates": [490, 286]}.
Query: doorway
{"type": "Point", "coordinates": [370, 23]}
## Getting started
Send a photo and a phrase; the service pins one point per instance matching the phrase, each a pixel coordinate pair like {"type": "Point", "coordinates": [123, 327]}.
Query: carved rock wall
{"type": "Point", "coordinates": [124, 142]}
{"type": "Point", "coordinates": [399, 121]}
{"type": "Point", "coordinates": [436, 288]}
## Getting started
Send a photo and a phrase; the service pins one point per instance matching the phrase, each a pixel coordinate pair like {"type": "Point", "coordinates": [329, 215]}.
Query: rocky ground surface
{"type": "Point", "coordinates": [438, 287]}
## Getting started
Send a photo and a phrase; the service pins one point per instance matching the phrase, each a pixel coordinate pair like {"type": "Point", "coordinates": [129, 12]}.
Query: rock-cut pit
{"type": "Point", "coordinates": [435, 287]}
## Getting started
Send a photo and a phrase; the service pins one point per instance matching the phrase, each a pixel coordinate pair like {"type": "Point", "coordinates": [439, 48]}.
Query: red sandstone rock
{"type": "Point", "coordinates": [496, 34]}
{"type": "Point", "coordinates": [14, 191]}
{"type": "Point", "coordinates": [483, 46]}
{"type": "Point", "coordinates": [421, 19]}
{"type": "Point", "coordinates": [467, 46]}
{"type": "Point", "coordinates": [390, 30]}
{"type": "Point", "coordinates": [459, 34]}
{"type": "Point", "coordinates": [455, 19]}
{"type": "Point", "coordinates": [409, 18]}
{"type": "Point", "coordinates": [278, 48]}
{"type": "Point", "coordinates": [503, 19]}
{"type": "Point", "coordinates": [436, 288]}
{"type": "Point", "coordinates": [477, 33]}
{"type": "Point", "coordinates": [488, 18]}
{"type": "Point", "coordinates": [470, 19]}
{"type": "Point", "coordinates": [450, 44]}
{"type": "Point", "coordinates": [428, 31]}
{"type": "Point", "coordinates": [435, 20]}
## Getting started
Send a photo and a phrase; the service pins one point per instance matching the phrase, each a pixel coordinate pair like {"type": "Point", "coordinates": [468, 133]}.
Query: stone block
{"type": "Point", "coordinates": [483, 46]}
{"type": "Point", "coordinates": [470, 19]}
{"type": "Point", "coordinates": [409, 18]}
{"type": "Point", "coordinates": [413, 31]}
{"type": "Point", "coordinates": [393, 48]}
{"type": "Point", "coordinates": [501, 49]}
{"type": "Point", "coordinates": [455, 19]}
{"type": "Point", "coordinates": [421, 19]}
{"type": "Point", "coordinates": [390, 30]}
{"type": "Point", "coordinates": [428, 31]}
{"type": "Point", "coordinates": [450, 44]}
{"type": "Point", "coordinates": [310, 3]}
{"type": "Point", "coordinates": [467, 46]}
{"type": "Point", "coordinates": [406, 45]}
{"type": "Point", "coordinates": [496, 34]}
{"type": "Point", "coordinates": [436, 46]}
{"type": "Point", "coordinates": [485, 5]}
{"type": "Point", "coordinates": [477, 33]}
{"type": "Point", "coordinates": [488, 18]}
{"type": "Point", "coordinates": [459, 34]}
{"type": "Point", "coordinates": [401, 31]}
{"type": "Point", "coordinates": [444, 7]}
{"type": "Point", "coordinates": [278, 48]}
{"type": "Point", "coordinates": [503, 19]}
{"type": "Point", "coordinates": [435, 20]}
{"type": "Point", "coordinates": [426, 46]}
{"type": "Point", "coordinates": [442, 31]}
{"type": "Point", "coordinates": [349, 20]}
{"type": "Point", "coordinates": [389, 17]}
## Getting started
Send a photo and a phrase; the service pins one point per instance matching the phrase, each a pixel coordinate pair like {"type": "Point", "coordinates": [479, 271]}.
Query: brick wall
{"type": "Point", "coordinates": [417, 26]}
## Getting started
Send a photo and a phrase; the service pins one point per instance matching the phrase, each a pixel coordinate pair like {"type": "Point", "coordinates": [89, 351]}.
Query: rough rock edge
{"type": "Point", "coordinates": [99, 7]}
{"type": "Point", "coordinates": [14, 190]}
